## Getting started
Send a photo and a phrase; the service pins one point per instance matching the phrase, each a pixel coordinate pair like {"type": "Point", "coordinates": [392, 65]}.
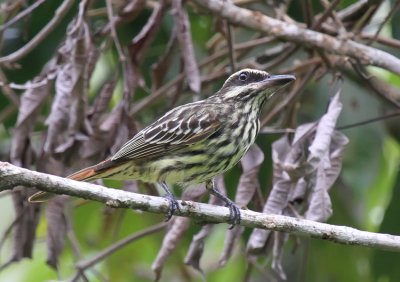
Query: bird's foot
{"type": "Point", "coordinates": [234, 214]}
{"type": "Point", "coordinates": [173, 206]}
{"type": "Point", "coordinates": [234, 211]}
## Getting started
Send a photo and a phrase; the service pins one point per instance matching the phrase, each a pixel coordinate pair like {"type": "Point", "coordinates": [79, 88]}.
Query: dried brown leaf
{"type": "Point", "coordinates": [139, 44]}
{"type": "Point", "coordinates": [21, 154]}
{"type": "Point", "coordinates": [277, 254]}
{"type": "Point", "coordinates": [101, 103]}
{"type": "Point", "coordinates": [30, 103]}
{"type": "Point", "coordinates": [137, 50]}
{"type": "Point", "coordinates": [96, 146]}
{"type": "Point", "coordinates": [297, 170]}
{"type": "Point", "coordinates": [320, 207]}
{"type": "Point", "coordinates": [278, 197]}
{"type": "Point", "coordinates": [102, 139]}
{"type": "Point", "coordinates": [104, 126]}
{"type": "Point", "coordinates": [21, 151]}
{"type": "Point", "coordinates": [124, 130]}
{"type": "Point", "coordinates": [338, 145]}
{"type": "Point", "coordinates": [248, 182]}
{"type": "Point", "coordinates": [319, 160]}
{"type": "Point", "coordinates": [325, 128]}
{"type": "Point", "coordinates": [247, 186]}
{"type": "Point", "coordinates": [160, 68]}
{"type": "Point", "coordinates": [132, 78]}
{"type": "Point", "coordinates": [57, 228]}
{"type": "Point", "coordinates": [68, 110]}
{"type": "Point", "coordinates": [294, 162]}
{"type": "Point", "coordinates": [299, 192]}
{"type": "Point", "coordinates": [186, 44]}
{"type": "Point", "coordinates": [231, 239]}
{"type": "Point", "coordinates": [176, 231]}
{"type": "Point", "coordinates": [24, 232]}
{"type": "Point", "coordinates": [196, 247]}
{"type": "Point", "coordinates": [178, 226]}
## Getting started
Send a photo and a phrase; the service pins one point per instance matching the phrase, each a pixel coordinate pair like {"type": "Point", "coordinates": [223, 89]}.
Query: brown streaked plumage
{"type": "Point", "coordinates": [194, 142]}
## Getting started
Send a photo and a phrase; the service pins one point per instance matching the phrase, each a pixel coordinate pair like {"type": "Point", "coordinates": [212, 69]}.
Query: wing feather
{"type": "Point", "coordinates": [177, 129]}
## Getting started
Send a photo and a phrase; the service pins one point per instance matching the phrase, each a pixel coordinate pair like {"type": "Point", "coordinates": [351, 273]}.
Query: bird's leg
{"type": "Point", "coordinates": [234, 211]}
{"type": "Point", "coordinates": [173, 203]}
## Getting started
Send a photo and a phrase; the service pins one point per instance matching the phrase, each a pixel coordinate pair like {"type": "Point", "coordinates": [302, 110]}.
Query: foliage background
{"type": "Point", "coordinates": [365, 195]}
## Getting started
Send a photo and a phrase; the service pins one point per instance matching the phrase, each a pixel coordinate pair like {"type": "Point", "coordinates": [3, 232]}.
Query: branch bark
{"type": "Point", "coordinates": [11, 176]}
{"type": "Point", "coordinates": [291, 32]}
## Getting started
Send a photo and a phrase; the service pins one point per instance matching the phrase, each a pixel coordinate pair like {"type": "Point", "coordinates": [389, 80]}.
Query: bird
{"type": "Point", "coordinates": [195, 142]}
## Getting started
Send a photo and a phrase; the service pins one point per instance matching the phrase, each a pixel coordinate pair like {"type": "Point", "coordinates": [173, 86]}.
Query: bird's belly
{"type": "Point", "coordinates": [196, 169]}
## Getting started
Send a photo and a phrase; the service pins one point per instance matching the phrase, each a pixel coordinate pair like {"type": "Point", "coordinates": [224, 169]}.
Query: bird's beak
{"type": "Point", "coordinates": [274, 83]}
{"type": "Point", "coordinates": [278, 80]}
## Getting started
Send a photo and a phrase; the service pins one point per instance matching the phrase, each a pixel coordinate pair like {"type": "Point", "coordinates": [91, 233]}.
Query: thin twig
{"type": "Point", "coordinates": [302, 67]}
{"type": "Point", "coordinates": [368, 121]}
{"type": "Point", "coordinates": [382, 24]}
{"type": "Point", "coordinates": [10, 6]}
{"type": "Point", "coordinates": [382, 40]}
{"type": "Point", "coordinates": [282, 57]}
{"type": "Point", "coordinates": [328, 11]}
{"type": "Point", "coordinates": [271, 130]}
{"type": "Point", "coordinates": [308, 12]}
{"type": "Point", "coordinates": [237, 47]}
{"type": "Point", "coordinates": [7, 263]}
{"type": "Point", "coordinates": [7, 112]}
{"type": "Point", "coordinates": [21, 15]}
{"type": "Point", "coordinates": [114, 34]}
{"type": "Point", "coordinates": [11, 226]}
{"type": "Point", "coordinates": [384, 91]}
{"type": "Point", "coordinates": [364, 19]}
{"type": "Point", "coordinates": [156, 94]}
{"type": "Point", "coordinates": [35, 41]}
{"type": "Point", "coordinates": [231, 41]}
{"type": "Point", "coordinates": [87, 263]}
{"type": "Point", "coordinates": [8, 91]}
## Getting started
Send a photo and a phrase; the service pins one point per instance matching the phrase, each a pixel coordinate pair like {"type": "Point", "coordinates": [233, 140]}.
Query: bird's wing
{"type": "Point", "coordinates": [176, 129]}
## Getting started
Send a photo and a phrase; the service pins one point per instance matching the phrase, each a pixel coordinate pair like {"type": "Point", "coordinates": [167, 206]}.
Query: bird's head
{"type": "Point", "coordinates": [255, 86]}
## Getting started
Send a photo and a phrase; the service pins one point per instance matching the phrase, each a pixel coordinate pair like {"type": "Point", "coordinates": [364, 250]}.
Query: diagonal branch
{"type": "Point", "coordinates": [11, 176]}
{"type": "Point", "coordinates": [294, 33]}
{"type": "Point", "coordinates": [35, 41]}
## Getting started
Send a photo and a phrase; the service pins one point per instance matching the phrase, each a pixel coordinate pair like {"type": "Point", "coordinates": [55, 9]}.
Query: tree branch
{"type": "Point", "coordinates": [11, 176]}
{"type": "Point", "coordinates": [294, 33]}
{"type": "Point", "coordinates": [35, 41]}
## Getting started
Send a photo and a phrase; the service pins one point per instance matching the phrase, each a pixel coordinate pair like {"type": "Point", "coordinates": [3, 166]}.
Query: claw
{"type": "Point", "coordinates": [234, 211]}
{"type": "Point", "coordinates": [234, 214]}
{"type": "Point", "coordinates": [173, 203]}
{"type": "Point", "coordinates": [173, 206]}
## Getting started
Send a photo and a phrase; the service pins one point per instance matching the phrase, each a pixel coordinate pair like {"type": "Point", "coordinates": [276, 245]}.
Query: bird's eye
{"type": "Point", "coordinates": [243, 76]}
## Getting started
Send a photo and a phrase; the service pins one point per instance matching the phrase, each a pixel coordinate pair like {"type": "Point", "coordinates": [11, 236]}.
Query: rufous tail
{"type": "Point", "coordinates": [88, 173]}
{"type": "Point", "coordinates": [84, 174]}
